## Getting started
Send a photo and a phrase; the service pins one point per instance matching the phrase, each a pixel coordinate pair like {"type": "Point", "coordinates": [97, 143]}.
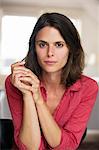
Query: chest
{"type": "Point", "coordinates": [53, 100]}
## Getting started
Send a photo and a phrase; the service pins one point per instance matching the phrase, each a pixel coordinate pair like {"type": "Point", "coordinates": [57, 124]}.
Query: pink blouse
{"type": "Point", "coordinates": [71, 114]}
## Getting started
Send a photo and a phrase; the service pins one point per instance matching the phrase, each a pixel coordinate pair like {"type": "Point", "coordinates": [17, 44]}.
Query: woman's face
{"type": "Point", "coordinates": [51, 49]}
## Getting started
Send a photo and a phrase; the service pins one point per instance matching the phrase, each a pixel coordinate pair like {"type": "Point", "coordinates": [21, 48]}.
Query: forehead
{"type": "Point", "coordinates": [50, 34]}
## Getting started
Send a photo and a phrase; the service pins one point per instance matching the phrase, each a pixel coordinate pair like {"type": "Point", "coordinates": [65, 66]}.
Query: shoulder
{"type": "Point", "coordinates": [84, 83]}
{"type": "Point", "coordinates": [86, 86]}
{"type": "Point", "coordinates": [89, 86]}
{"type": "Point", "coordinates": [88, 82]}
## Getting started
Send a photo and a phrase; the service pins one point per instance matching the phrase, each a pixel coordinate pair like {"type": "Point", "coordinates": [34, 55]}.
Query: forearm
{"type": "Point", "coordinates": [50, 128]}
{"type": "Point", "coordinates": [30, 130]}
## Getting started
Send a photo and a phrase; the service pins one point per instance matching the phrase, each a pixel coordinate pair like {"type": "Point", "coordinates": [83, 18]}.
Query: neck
{"type": "Point", "coordinates": [51, 80]}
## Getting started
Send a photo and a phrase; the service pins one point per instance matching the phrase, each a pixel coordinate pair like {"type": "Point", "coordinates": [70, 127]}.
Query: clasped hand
{"type": "Point", "coordinates": [25, 80]}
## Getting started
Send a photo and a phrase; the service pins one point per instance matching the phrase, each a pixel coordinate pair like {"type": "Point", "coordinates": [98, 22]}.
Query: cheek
{"type": "Point", "coordinates": [39, 52]}
{"type": "Point", "coordinates": [63, 56]}
{"type": "Point", "coordinates": [40, 55]}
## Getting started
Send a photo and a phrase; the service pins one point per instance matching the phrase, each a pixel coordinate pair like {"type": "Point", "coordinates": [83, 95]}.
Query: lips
{"type": "Point", "coordinates": [50, 62]}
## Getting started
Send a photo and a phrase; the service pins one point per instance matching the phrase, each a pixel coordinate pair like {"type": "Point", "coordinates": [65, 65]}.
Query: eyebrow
{"type": "Point", "coordinates": [41, 41]}
{"type": "Point", "coordinates": [47, 42]}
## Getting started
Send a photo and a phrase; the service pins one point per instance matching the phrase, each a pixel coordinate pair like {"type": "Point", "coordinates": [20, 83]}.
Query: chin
{"type": "Point", "coordinates": [51, 70]}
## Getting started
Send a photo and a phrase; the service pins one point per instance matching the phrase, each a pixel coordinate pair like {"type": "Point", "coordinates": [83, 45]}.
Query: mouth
{"type": "Point", "coordinates": [50, 62]}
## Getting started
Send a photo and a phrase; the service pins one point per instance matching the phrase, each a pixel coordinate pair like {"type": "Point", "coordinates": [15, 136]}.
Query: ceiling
{"type": "Point", "coordinates": [91, 6]}
{"type": "Point", "coordinates": [51, 3]}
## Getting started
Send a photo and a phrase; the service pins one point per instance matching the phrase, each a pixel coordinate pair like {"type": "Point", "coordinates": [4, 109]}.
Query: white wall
{"type": "Point", "coordinates": [1, 13]}
{"type": "Point", "coordinates": [90, 29]}
{"type": "Point", "coordinates": [90, 38]}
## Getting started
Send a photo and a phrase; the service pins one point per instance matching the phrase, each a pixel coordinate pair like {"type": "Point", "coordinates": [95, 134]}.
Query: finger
{"type": "Point", "coordinates": [17, 64]}
{"type": "Point", "coordinates": [25, 86]}
{"type": "Point", "coordinates": [20, 71]}
{"type": "Point", "coordinates": [15, 78]}
{"type": "Point", "coordinates": [35, 87]}
{"type": "Point", "coordinates": [26, 80]}
{"type": "Point", "coordinates": [31, 79]}
{"type": "Point", "coordinates": [33, 76]}
{"type": "Point", "coordinates": [22, 68]}
{"type": "Point", "coordinates": [28, 72]}
{"type": "Point", "coordinates": [19, 68]}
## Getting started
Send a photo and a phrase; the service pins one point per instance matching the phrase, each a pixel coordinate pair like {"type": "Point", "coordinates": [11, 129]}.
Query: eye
{"type": "Point", "coordinates": [42, 44]}
{"type": "Point", "coordinates": [59, 44]}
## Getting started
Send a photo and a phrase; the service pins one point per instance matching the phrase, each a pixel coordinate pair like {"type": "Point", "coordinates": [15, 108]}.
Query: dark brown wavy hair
{"type": "Point", "coordinates": [73, 68]}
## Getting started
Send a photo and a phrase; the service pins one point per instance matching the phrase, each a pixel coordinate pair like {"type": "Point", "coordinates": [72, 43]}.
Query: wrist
{"type": "Point", "coordinates": [38, 99]}
{"type": "Point", "coordinates": [27, 94]}
{"type": "Point", "coordinates": [39, 102]}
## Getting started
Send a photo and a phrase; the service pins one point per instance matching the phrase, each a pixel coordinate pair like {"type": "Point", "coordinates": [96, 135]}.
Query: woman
{"type": "Point", "coordinates": [49, 98]}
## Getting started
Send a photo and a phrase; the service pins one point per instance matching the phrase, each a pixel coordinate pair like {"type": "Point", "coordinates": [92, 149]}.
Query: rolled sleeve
{"type": "Point", "coordinates": [14, 97]}
{"type": "Point", "coordinates": [74, 128]}
{"type": "Point", "coordinates": [67, 141]}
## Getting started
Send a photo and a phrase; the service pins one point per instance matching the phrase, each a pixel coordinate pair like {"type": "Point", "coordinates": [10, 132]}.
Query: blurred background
{"type": "Point", "coordinates": [17, 19]}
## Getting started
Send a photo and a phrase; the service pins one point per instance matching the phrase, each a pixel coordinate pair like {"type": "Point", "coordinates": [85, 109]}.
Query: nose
{"type": "Point", "coordinates": [50, 51]}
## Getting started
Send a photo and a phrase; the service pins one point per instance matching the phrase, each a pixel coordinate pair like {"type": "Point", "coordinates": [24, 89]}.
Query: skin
{"type": "Point", "coordinates": [52, 55]}
{"type": "Point", "coordinates": [50, 46]}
